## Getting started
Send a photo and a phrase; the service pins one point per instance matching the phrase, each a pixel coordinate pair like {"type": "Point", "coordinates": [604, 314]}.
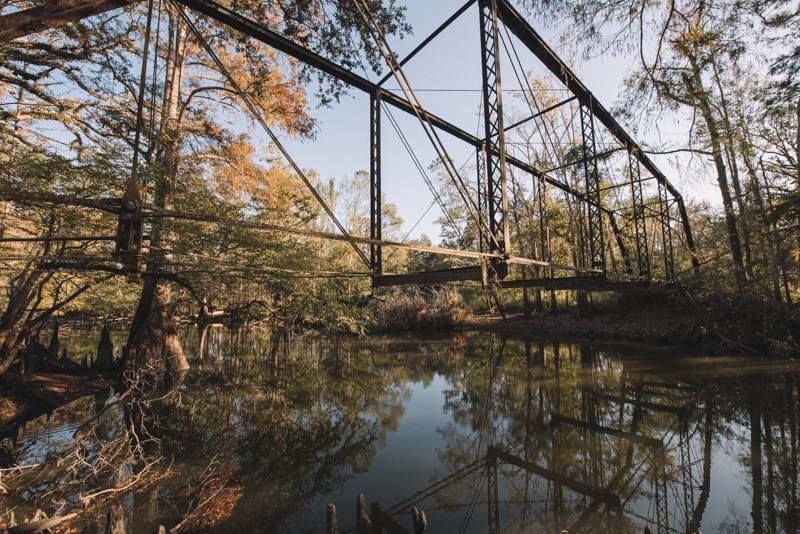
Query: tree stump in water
{"type": "Point", "coordinates": [363, 522]}
{"type": "Point", "coordinates": [115, 520]}
{"type": "Point", "coordinates": [54, 342]}
{"type": "Point", "coordinates": [105, 351]}
{"type": "Point", "coordinates": [419, 520]}
{"type": "Point", "coordinates": [330, 523]}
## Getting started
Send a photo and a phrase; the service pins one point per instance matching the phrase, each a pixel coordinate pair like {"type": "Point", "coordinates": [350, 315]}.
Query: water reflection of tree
{"type": "Point", "coordinates": [290, 424]}
{"type": "Point", "coordinates": [288, 421]}
{"type": "Point", "coordinates": [507, 393]}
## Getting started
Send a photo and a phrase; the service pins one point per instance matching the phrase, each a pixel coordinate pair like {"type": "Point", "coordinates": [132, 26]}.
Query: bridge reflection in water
{"type": "Point", "coordinates": [599, 444]}
{"type": "Point", "coordinates": [483, 434]}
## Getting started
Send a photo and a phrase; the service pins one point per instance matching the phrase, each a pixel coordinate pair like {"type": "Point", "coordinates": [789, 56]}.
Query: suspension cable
{"type": "Point", "coordinates": [428, 182]}
{"type": "Point", "coordinates": [415, 159]}
{"type": "Point", "coordinates": [132, 190]}
{"type": "Point", "coordinates": [419, 220]}
{"type": "Point", "coordinates": [259, 117]}
{"type": "Point", "coordinates": [373, 27]}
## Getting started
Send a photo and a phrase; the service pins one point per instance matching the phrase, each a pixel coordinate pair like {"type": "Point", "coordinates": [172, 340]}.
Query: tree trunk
{"type": "Point", "coordinates": [737, 186]}
{"type": "Point", "coordinates": [762, 212]}
{"type": "Point", "coordinates": [12, 322]}
{"type": "Point", "coordinates": [701, 97]}
{"type": "Point", "coordinates": [153, 343]}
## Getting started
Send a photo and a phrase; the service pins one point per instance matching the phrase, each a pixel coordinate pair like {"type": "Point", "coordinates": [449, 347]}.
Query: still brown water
{"type": "Point", "coordinates": [483, 433]}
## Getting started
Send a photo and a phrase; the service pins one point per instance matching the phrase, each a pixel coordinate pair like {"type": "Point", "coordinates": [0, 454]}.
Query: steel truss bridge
{"type": "Point", "coordinates": [642, 231]}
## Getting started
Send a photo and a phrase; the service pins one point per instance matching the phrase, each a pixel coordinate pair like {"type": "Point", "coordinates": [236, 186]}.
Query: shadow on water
{"type": "Point", "coordinates": [484, 434]}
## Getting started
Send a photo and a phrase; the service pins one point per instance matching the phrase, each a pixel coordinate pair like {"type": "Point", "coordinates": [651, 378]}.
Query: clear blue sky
{"type": "Point", "coordinates": [452, 61]}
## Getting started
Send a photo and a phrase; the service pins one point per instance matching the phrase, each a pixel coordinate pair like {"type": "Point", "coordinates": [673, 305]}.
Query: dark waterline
{"type": "Point", "coordinates": [483, 433]}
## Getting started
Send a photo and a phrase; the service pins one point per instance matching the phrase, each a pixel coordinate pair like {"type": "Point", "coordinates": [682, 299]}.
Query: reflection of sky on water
{"type": "Point", "coordinates": [389, 418]}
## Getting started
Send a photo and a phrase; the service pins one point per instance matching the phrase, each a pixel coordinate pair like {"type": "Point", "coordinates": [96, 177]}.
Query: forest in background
{"type": "Point", "coordinates": [67, 124]}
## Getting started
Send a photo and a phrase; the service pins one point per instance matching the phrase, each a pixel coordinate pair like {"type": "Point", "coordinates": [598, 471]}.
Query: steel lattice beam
{"type": "Point", "coordinates": [520, 27]}
{"type": "Point", "coordinates": [639, 223]}
{"type": "Point", "coordinates": [666, 232]}
{"type": "Point", "coordinates": [480, 183]}
{"type": "Point", "coordinates": [594, 221]}
{"type": "Point", "coordinates": [497, 199]}
{"type": "Point", "coordinates": [375, 208]}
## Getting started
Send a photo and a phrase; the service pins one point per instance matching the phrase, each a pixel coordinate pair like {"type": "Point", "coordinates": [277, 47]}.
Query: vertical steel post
{"type": "Point", "coordinates": [639, 222]}
{"type": "Point", "coordinates": [623, 250]}
{"type": "Point", "coordinates": [375, 222]}
{"type": "Point", "coordinates": [497, 198]}
{"type": "Point", "coordinates": [687, 232]}
{"type": "Point", "coordinates": [480, 166]}
{"type": "Point", "coordinates": [666, 232]}
{"type": "Point", "coordinates": [593, 212]}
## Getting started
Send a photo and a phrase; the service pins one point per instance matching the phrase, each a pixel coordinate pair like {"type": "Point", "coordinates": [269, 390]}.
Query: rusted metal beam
{"type": "Point", "coordinates": [557, 419]}
{"type": "Point", "coordinates": [446, 24]}
{"type": "Point", "coordinates": [575, 485]}
{"type": "Point", "coordinates": [54, 14]}
{"type": "Point", "coordinates": [441, 276]}
{"type": "Point", "coordinates": [680, 411]}
{"type": "Point", "coordinates": [540, 113]}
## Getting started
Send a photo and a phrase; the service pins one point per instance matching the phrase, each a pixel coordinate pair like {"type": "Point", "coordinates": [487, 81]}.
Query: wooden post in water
{"type": "Point", "coordinates": [115, 520]}
{"type": "Point", "coordinates": [105, 351]}
{"type": "Point", "coordinates": [363, 522]}
{"type": "Point", "coordinates": [419, 520]}
{"type": "Point", "coordinates": [54, 342]}
{"type": "Point", "coordinates": [330, 527]}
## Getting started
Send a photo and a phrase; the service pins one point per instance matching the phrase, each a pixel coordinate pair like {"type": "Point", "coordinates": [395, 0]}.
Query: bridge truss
{"type": "Point", "coordinates": [624, 242]}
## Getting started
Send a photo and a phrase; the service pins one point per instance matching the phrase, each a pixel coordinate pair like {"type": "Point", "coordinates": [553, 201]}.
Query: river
{"type": "Point", "coordinates": [484, 434]}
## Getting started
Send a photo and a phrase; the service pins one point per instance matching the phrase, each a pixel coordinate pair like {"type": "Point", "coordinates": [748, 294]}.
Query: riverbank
{"type": "Point", "coordinates": [652, 325]}
{"type": "Point", "coordinates": [649, 327]}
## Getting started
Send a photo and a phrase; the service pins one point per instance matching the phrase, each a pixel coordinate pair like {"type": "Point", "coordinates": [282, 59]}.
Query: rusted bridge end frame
{"type": "Point", "coordinates": [667, 249]}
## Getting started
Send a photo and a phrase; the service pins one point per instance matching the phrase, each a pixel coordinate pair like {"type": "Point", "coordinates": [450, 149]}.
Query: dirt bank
{"type": "Point", "coordinates": [646, 325]}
